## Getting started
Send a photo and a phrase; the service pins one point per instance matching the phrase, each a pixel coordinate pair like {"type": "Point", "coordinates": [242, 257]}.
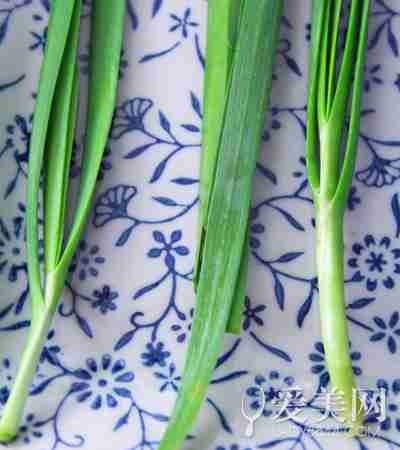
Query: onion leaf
{"type": "Point", "coordinates": [335, 85]}
{"type": "Point", "coordinates": [228, 216]}
{"type": "Point", "coordinates": [222, 29]}
{"type": "Point", "coordinates": [50, 155]}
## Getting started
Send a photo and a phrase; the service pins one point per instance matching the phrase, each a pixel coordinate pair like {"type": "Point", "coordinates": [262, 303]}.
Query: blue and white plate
{"type": "Point", "coordinates": [110, 371]}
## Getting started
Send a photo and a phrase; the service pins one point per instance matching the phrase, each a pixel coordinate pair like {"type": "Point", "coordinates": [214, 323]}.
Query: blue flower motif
{"type": "Point", "coordinates": [7, 10]}
{"type": "Point", "coordinates": [231, 447]}
{"type": "Point", "coordinates": [4, 395]}
{"type": "Point", "coordinates": [392, 411]}
{"type": "Point", "coordinates": [15, 4]}
{"type": "Point", "coordinates": [102, 383]}
{"type": "Point", "coordinates": [183, 23]}
{"type": "Point", "coordinates": [113, 204]}
{"type": "Point", "coordinates": [376, 262]}
{"type": "Point", "coordinates": [381, 172]}
{"type": "Point", "coordinates": [384, 25]}
{"type": "Point", "coordinates": [183, 331]}
{"type": "Point", "coordinates": [86, 261]}
{"type": "Point", "coordinates": [6, 375]}
{"type": "Point", "coordinates": [169, 380]}
{"type": "Point", "coordinates": [51, 350]}
{"type": "Point", "coordinates": [397, 81]}
{"type": "Point", "coordinates": [273, 385]}
{"type": "Point", "coordinates": [256, 229]}
{"type": "Point", "coordinates": [75, 169]}
{"type": "Point", "coordinates": [155, 355]}
{"type": "Point", "coordinates": [389, 331]}
{"type": "Point", "coordinates": [19, 134]}
{"type": "Point", "coordinates": [168, 248]}
{"type": "Point", "coordinates": [301, 173]}
{"type": "Point", "coordinates": [130, 116]}
{"type": "Point", "coordinates": [353, 200]}
{"type": "Point", "coordinates": [39, 40]}
{"type": "Point", "coordinates": [29, 429]}
{"type": "Point", "coordinates": [18, 139]}
{"type": "Point", "coordinates": [308, 31]}
{"type": "Point", "coordinates": [106, 164]}
{"type": "Point", "coordinates": [318, 366]}
{"type": "Point", "coordinates": [251, 314]}
{"type": "Point", "coordinates": [371, 77]}
{"type": "Point", "coordinates": [11, 5]}
{"type": "Point", "coordinates": [104, 299]}
{"type": "Point", "coordinates": [12, 247]}
{"type": "Point", "coordinates": [274, 125]}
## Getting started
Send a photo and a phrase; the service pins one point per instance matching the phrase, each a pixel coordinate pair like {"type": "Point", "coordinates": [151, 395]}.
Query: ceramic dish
{"type": "Point", "coordinates": [111, 367]}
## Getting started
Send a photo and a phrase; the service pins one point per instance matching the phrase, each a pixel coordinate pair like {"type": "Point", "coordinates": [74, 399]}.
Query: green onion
{"type": "Point", "coordinates": [335, 82]}
{"type": "Point", "coordinates": [50, 155]}
{"type": "Point", "coordinates": [222, 29]}
{"type": "Point", "coordinates": [229, 206]}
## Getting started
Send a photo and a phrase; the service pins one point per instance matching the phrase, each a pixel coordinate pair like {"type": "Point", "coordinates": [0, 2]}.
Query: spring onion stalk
{"type": "Point", "coordinates": [335, 86]}
{"type": "Point", "coordinates": [227, 223]}
{"type": "Point", "coordinates": [50, 155]}
{"type": "Point", "coordinates": [222, 28]}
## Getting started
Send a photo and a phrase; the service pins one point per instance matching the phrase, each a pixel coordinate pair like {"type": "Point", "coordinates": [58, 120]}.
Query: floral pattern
{"type": "Point", "coordinates": [113, 361]}
{"type": "Point", "coordinates": [103, 382]}
{"type": "Point", "coordinates": [392, 390]}
{"type": "Point", "coordinates": [376, 262]}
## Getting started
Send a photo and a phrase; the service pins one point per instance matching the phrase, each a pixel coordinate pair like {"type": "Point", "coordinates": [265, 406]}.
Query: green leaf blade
{"type": "Point", "coordinates": [337, 7]}
{"type": "Point", "coordinates": [312, 144]}
{"type": "Point", "coordinates": [58, 31]}
{"type": "Point", "coordinates": [59, 145]}
{"type": "Point", "coordinates": [229, 207]}
{"type": "Point", "coordinates": [325, 137]}
{"type": "Point", "coordinates": [64, 16]}
{"type": "Point", "coordinates": [235, 320]}
{"type": "Point", "coordinates": [106, 46]}
{"type": "Point", "coordinates": [223, 25]}
{"type": "Point", "coordinates": [223, 22]}
{"type": "Point", "coordinates": [349, 162]}
{"type": "Point", "coordinates": [52, 135]}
